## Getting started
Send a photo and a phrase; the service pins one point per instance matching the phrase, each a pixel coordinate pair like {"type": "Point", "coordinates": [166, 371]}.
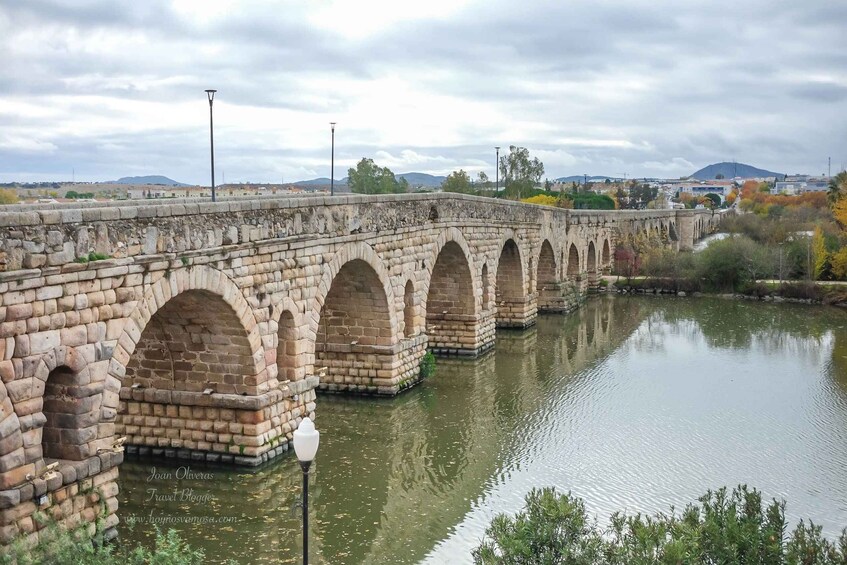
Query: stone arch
{"type": "Point", "coordinates": [11, 441]}
{"type": "Point", "coordinates": [573, 261]}
{"type": "Point", "coordinates": [71, 405]}
{"type": "Point", "coordinates": [289, 351]}
{"type": "Point", "coordinates": [607, 253]}
{"type": "Point", "coordinates": [199, 284]}
{"type": "Point", "coordinates": [452, 235]}
{"type": "Point", "coordinates": [486, 288]}
{"type": "Point", "coordinates": [510, 277]}
{"type": "Point", "coordinates": [409, 328]}
{"type": "Point", "coordinates": [356, 308]}
{"type": "Point", "coordinates": [353, 251]}
{"type": "Point", "coordinates": [450, 300]}
{"type": "Point", "coordinates": [591, 260]}
{"type": "Point", "coordinates": [546, 266]}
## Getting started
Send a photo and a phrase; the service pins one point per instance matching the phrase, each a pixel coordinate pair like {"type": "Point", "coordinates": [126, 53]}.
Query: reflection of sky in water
{"type": "Point", "coordinates": [631, 403]}
{"type": "Point", "coordinates": [672, 413]}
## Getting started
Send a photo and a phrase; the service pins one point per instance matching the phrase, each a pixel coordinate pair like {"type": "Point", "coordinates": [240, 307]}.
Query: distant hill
{"type": "Point", "coordinates": [732, 170]}
{"type": "Point", "coordinates": [414, 179]}
{"type": "Point", "coordinates": [422, 179]}
{"type": "Point", "coordinates": [149, 179]}
{"type": "Point", "coordinates": [319, 182]}
{"type": "Point", "coordinates": [579, 179]}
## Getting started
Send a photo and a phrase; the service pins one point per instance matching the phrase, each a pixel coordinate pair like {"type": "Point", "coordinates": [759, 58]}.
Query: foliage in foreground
{"type": "Point", "coordinates": [726, 528]}
{"type": "Point", "coordinates": [77, 547]}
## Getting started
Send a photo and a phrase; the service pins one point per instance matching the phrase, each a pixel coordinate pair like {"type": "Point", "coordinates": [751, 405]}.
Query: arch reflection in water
{"type": "Point", "coordinates": [592, 402]}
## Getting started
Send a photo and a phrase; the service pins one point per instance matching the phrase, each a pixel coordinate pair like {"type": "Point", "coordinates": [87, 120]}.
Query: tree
{"type": "Point", "coordinates": [736, 526]}
{"type": "Point", "coordinates": [520, 173]}
{"type": "Point", "coordinates": [640, 195]}
{"type": "Point", "coordinates": [482, 178]}
{"type": "Point", "coordinates": [716, 200]}
{"type": "Point", "coordinates": [719, 176]}
{"type": "Point", "coordinates": [370, 178]}
{"type": "Point", "coordinates": [458, 181]}
{"type": "Point", "coordinates": [837, 186]}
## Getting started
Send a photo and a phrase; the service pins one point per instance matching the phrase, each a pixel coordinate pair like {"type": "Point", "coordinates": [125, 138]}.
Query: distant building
{"type": "Point", "coordinates": [800, 184]}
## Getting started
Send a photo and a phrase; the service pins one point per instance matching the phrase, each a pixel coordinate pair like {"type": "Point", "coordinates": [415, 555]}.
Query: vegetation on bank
{"type": "Point", "coordinates": [736, 527]}
{"type": "Point", "coordinates": [778, 238]}
{"type": "Point", "coordinates": [59, 546]}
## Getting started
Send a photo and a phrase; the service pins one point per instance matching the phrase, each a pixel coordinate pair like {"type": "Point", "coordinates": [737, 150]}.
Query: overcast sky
{"type": "Point", "coordinates": [648, 88]}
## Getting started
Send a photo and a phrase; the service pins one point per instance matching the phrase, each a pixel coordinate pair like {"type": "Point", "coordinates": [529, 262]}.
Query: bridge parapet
{"type": "Point", "coordinates": [35, 238]}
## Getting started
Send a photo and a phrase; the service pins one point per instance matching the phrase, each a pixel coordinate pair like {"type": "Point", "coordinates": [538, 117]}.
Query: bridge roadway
{"type": "Point", "coordinates": [207, 330]}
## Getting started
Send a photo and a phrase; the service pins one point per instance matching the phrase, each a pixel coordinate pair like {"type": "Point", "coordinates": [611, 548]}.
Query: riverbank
{"type": "Point", "coordinates": [802, 292]}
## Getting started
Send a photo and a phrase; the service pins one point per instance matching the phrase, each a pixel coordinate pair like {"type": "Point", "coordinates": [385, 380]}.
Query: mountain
{"type": "Point", "coordinates": [322, 181]}
{"type": "Point", "coordinates": [579, 179]}
{"type": "Point", "coordinates": [149, 179]}
{"type": "Point", "coordinates": [732, 170]}
{"type": "Point", "coordinates": [414, 179]}
{"type": "Point", "coordinates": [421, 179]}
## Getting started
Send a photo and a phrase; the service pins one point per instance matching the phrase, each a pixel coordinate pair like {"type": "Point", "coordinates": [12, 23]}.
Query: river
{"type": "Point", "coordinates": [635, 403]}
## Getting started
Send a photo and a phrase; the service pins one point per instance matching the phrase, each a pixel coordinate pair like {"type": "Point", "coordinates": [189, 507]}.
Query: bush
{"type": "Point", "coordinates": [427, 366]}
{"type": "Point", "coordinates": [726, 528]}
{"type": "Point", "coordinates": [59, 546]}
{"type": "Point", "coordinates": [802, 290]}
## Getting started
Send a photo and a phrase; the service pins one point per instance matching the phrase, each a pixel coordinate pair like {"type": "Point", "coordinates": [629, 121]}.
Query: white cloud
{"type": "Point", "coordinates": [588, 87]}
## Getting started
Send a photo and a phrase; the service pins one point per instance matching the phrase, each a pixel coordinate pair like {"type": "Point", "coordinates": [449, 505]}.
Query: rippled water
{"type": "Point", "coordinates": [631, 403]}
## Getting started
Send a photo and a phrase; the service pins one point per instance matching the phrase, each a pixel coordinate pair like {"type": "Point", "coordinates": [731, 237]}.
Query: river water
{"type": "Point", "coordinates": [634, 403]}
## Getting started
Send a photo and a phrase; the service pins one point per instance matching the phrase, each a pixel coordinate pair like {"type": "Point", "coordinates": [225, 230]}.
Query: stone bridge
{"type": "Point", "coordinates": [202, 331]}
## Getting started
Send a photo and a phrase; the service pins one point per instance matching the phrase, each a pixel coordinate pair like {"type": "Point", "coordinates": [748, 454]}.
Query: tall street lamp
{"type": "Point", "coordinates": [211, 95]}
{"type": "Point", "coordinates": [497, 172]}
{"type": "Point", "coordinates": [332, 167]}
{"type": "Point", "coordinates": [306, 439]}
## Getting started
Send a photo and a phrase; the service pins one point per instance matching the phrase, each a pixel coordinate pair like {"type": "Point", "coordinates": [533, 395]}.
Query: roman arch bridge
{"type": "Point", "coordinates": [203, 330]}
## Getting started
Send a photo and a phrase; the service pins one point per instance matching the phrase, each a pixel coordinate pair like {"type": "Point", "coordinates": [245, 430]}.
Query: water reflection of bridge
{"type": "Point", "coordinates": [446, 457]}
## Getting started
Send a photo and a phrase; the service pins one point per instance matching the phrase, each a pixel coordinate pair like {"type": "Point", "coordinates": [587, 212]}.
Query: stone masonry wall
{"type": "Point", "coordinates": [179, 333]}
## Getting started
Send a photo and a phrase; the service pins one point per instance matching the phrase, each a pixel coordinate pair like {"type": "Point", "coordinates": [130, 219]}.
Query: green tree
{"type": "Point", "coordinates": [725, 527]}
{"type": "Point", "coordinates": [715, 199]}
{"type": "Point", "coordinates": [520, 173]}
{"type": "Point", "coordinates": [837, 186]}
{"type": "Point", "coordinates": [370, 178]}
{"type": "Point", "coordinates": [641, 194]}
{"type": "Point", "coordinates": [458, 181]}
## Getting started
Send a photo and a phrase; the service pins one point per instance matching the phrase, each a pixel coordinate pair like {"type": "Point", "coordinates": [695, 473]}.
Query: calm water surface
{"type": "Point", "coordinates": [631, 403]}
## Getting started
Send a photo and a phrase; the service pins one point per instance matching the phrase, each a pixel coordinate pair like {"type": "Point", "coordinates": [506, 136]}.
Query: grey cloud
{"type": "Point", "coordinates": [697, 81]}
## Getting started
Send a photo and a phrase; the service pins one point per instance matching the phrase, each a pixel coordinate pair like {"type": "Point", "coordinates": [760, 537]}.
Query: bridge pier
{"type": "Point", "coordinates": [383, 370]}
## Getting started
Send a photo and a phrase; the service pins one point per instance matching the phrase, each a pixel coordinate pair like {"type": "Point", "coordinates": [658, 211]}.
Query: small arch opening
{"type": "Point", "coordinates": [287, 351]}
{"type": "Point", "coordinates": [65, 434]}
{"type": "Point", "coordinates": [573, 261]}
{"type": "Point", "coordinates": [409, 310]}
{"type": "Point", "coordinates": [486, 300]}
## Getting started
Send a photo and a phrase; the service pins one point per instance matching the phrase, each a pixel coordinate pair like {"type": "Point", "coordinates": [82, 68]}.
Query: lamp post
{"type": "Point", "coordinates": [497, 172]}
{"type": "Point", "coordinates": [332, 167]}
{"type": "Point", "coordinates": [306, 439]}
{"type": "Point", "coordinates": [211, 95]}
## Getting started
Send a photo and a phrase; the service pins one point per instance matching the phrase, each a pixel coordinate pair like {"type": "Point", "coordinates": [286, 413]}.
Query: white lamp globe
{"type": "Point", "coordinates": [306, 439]}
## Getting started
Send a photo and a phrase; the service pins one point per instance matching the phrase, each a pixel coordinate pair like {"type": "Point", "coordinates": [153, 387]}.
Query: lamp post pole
{"type": "Point", "coordinates": [332, 166]}
{"type": "Point", "coordinates": [497, 172]}
{"type": "Point", "coordinates": [306, 439]}
{"type": "Point", "coordinates": [211, 95]}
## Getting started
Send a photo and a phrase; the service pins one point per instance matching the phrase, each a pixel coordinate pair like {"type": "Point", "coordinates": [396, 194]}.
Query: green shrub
{"type": "Point", "coordinates": [427, 367]}
{"type": "Point", "coordinates": [59, 546]}
{"type": "Point", "coordinates": [726, 528]}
